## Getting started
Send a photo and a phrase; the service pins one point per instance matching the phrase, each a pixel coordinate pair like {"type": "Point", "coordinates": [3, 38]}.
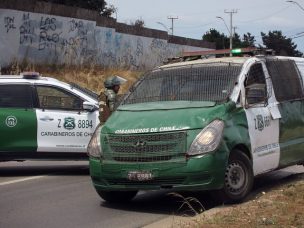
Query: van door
{"type": "Point", "coordinates": [263, 119]}
{"type": "Point", "coordinates": [17, 119]}
{"type": "Point", "coordinates": [62, 124]}
{"type": "Point", "coordinates": [288, 88]}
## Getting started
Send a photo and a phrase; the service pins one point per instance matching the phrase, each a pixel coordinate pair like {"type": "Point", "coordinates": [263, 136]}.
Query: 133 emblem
{"type": "Point", "coordinates": [11, 121]}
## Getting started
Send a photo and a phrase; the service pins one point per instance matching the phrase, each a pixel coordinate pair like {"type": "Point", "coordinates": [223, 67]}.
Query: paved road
{"type": "Point", "coordinates": [60, 194]}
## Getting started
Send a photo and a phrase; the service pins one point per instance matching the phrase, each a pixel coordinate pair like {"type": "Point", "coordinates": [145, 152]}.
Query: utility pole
{"type": "Point", "coordinates": [231, 27]}
{"type": "Point", "coordinates": [234, 29]}
{"type": "Point", "coordinates": [172, 22]}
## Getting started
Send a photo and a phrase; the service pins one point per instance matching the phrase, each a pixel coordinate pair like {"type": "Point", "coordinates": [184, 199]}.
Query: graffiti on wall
{"type": "Point", "coordinates": [9, 23]}
{"type": "Point", "coordinates": [26, 30]}
{"type": "Point", "coordinates": [47, 37]}
{"type": "Point", "coordinates": [53, 39]}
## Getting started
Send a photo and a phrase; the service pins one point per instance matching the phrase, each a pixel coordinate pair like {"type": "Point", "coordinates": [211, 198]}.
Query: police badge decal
{"type": "Point", "coordinates": [69, 123]}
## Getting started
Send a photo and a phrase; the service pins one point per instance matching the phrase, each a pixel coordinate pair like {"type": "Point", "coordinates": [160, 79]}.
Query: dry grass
{"type": "Point", "coordinates": [282, 207]}
{"type": "Point", "coordinates": [91, 77]}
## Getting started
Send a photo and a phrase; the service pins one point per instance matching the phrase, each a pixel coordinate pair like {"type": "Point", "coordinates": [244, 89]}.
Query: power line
{"type": "Point", "coordinates": [268, 16]}
{"type": "Point", "coordinates": [297, 36]}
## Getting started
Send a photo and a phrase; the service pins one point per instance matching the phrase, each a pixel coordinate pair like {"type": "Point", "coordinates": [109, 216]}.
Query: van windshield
{"type": "Point", "coordinates": [200, 82]}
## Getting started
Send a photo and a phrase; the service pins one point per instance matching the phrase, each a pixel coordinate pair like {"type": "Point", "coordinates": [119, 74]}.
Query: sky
{"type": "Point", "coordinates": [196, 17]}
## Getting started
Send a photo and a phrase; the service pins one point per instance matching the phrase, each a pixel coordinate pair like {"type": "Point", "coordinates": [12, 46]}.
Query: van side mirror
{"type": "Point", "coordinates": [256, 94]}
{"type": "Point", "coordinates": [88, 106]}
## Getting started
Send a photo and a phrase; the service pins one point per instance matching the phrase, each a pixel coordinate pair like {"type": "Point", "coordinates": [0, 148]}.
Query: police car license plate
{"type": "Point", "coordinates": [139, 175]}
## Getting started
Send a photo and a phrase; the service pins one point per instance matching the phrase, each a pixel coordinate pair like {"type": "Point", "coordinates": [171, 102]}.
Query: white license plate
{"type": "Point", "coordinates": [140, 175]}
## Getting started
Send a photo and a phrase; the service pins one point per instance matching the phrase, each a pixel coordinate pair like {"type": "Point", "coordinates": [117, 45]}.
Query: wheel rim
{"type": "Point", "coordinates": [235, 178]}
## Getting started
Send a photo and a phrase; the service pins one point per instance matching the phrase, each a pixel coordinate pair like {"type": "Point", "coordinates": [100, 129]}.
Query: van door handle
{"type": "Point", "coordinates": [47, 119]}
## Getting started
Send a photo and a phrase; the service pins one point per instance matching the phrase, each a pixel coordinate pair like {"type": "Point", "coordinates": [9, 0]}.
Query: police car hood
{"type": "Point", "coordinates": [157, 117]}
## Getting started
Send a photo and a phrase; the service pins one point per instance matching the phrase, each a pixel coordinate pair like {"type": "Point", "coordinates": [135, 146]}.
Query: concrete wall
{"type": "Point", "coordinates": [50, 39]}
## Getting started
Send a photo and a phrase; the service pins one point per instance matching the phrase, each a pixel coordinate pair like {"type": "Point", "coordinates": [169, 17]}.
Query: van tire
{"type": "Point", "coordinates": [117, 196]}
{"type": "Point", "coordinates": [239, 177]}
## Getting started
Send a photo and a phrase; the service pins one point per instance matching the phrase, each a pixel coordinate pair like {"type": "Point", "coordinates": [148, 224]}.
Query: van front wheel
{"type": "Point", "coordinates": [117, 196]}
{"type": "Point", "coordinates": [238, 178]}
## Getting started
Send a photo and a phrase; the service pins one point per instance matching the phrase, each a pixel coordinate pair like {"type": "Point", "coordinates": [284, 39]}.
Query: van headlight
{"type": "Point", "coordinates": [94, 147]}
{"type": "Point", "coordinates": [208, 139]}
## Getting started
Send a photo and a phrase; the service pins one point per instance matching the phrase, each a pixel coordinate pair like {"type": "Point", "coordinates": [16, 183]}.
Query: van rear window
{"type": "Point", "coordinates": [286, 79]}
{"type": "Point", "coordinates": [200, 82]}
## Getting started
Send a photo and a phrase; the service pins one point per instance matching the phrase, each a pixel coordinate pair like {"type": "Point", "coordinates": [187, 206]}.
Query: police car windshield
{"type": "Point", "coordinates": [200, 82]}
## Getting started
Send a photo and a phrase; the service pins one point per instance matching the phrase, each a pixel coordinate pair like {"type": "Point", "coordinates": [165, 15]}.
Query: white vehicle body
{"type": "Point", "coordinates": [59, 118]}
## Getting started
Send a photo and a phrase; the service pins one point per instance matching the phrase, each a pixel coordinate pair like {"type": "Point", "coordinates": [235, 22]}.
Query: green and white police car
{"type": "Point", "coordinates": [210, 124]}
{"type": "Point", "coordinates": [43, 118]}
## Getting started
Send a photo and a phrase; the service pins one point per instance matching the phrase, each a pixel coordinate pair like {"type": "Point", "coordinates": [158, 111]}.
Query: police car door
{"type": "Point", "coordinates": [17, 118]}
{"type": "Point", "coordinates": [62, 124]}
{"type": "Point", "coordinates": [263, 118]}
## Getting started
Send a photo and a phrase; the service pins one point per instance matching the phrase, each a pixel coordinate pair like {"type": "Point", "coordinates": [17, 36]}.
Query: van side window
{"type": "Point", "coordinates": [55, 98]}
{"type": "Point", "coordinates": [16, 96]}
{"type": "Point", "coordinates": [286, 79]}
{"type": "Point", "coordinates": [255, 85]}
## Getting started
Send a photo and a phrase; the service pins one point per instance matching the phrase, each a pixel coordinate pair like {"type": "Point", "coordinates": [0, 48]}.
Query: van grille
{"type": "Point", "coordinates": [145, 147]}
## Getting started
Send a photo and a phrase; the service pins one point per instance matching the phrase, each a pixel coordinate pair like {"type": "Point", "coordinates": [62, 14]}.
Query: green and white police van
{"type": "Point", "coordinates": [210, 124]}
{"type": "Point", "coordinates": [43, 118]}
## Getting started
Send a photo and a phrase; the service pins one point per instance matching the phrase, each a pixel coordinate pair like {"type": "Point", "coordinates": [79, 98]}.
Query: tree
{"type": "Point", "coordinates": [248, 40]}
{"type": "Point", "coordinates": [139, 23]}
{"type": "Point", "coordinates": [97, 5]}
{"type": "Point", "coordinates": [220, 39]}
{"type": "Point", "coordinates": [280, 44]}
{"type": "Point", "coordinates": [108, 11]}
{"type": "Point", "coordinates": [237, 42]}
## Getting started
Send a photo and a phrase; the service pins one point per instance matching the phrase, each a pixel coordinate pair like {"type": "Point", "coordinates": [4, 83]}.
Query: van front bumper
{"type": "Point", "coordinates": [194, 174]}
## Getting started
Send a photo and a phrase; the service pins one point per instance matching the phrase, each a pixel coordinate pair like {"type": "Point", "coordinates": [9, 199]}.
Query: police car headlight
{"type": "Point", "coordinates": [94, 147]}
{"type": "Point", "coordinates": [208, 139]}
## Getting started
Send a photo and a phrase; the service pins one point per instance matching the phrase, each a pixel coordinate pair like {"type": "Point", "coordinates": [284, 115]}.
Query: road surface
{"type": "Point", "coordinates": [60, 194]}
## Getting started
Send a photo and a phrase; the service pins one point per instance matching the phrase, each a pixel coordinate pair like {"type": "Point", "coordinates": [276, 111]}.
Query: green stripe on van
{"type": "Point", "coordinates": [291, 132]}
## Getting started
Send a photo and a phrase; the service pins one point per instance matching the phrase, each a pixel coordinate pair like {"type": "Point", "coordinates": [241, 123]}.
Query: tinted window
{"type": "Point", "coordinates": [255, 85]}
{"type": "Point", "coordinates": [15, 96]}
{"type": "Point", "coordinates": [286, 80]}
{"type": "Point", "coordinates": [56, 98]}
{"type": "Point", "coordinates": [256, 75]}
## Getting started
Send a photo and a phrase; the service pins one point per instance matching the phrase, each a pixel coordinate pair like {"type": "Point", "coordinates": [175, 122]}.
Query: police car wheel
{"type": "Point", "coordinates": [238, 178]}
{"type": "Point", "coordinates": [117, 196]}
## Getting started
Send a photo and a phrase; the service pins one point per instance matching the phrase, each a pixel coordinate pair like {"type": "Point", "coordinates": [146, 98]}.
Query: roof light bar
{"type": "Point", "coordinates": [30, 75]}
{"type": "Point", "coordinates": [236, 51]}
{"type": "Point", "coordinates": [221, 52]}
